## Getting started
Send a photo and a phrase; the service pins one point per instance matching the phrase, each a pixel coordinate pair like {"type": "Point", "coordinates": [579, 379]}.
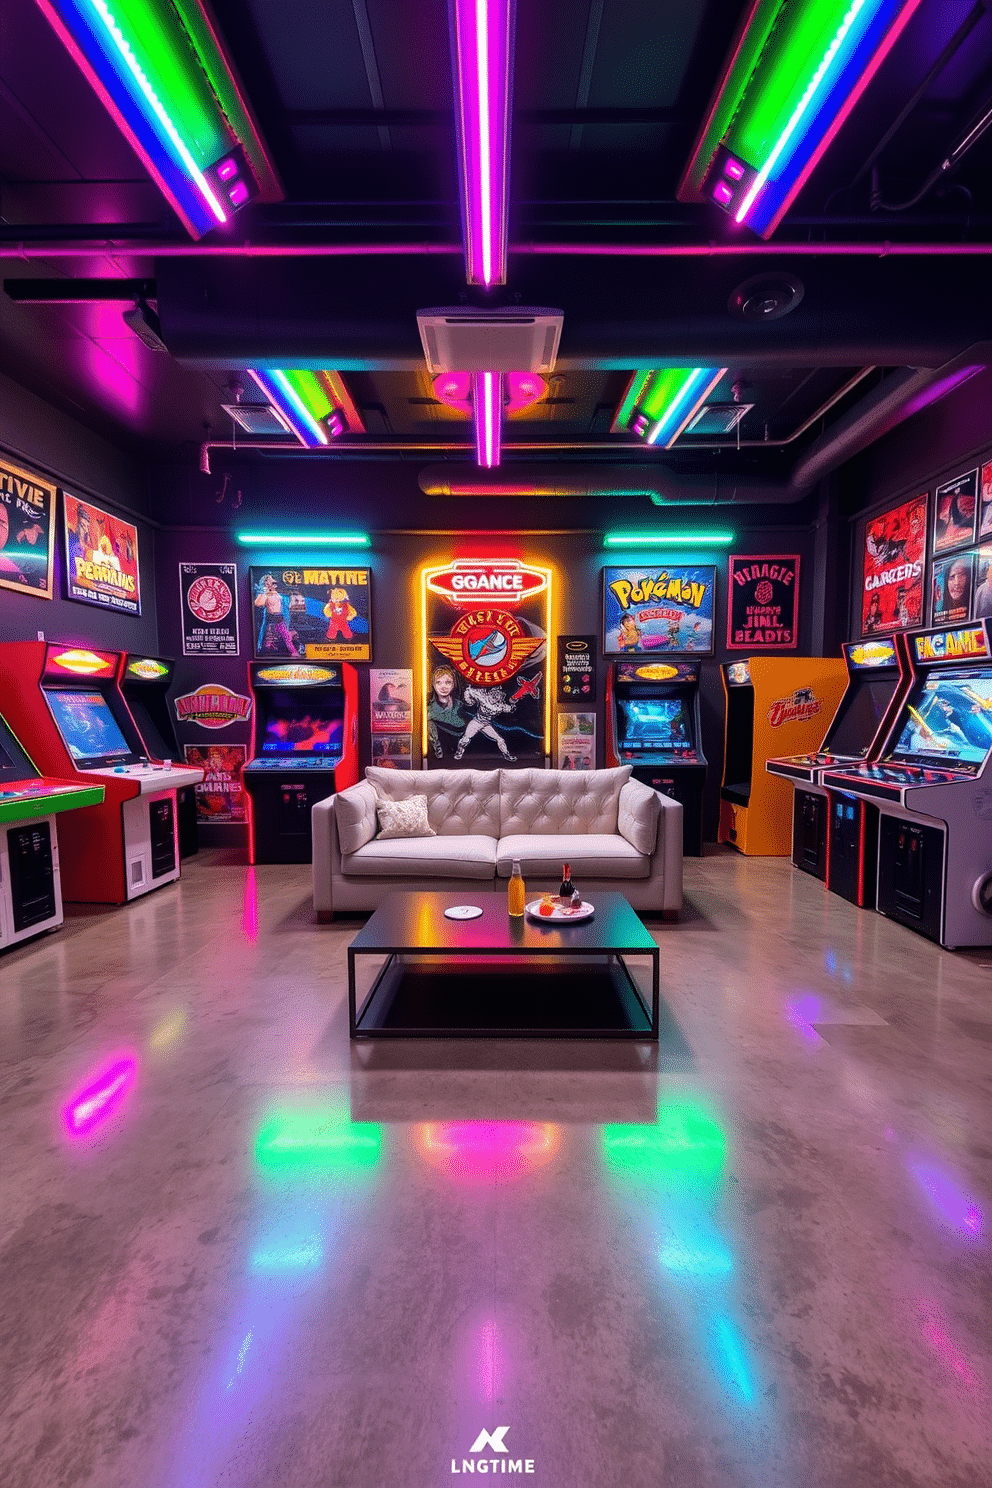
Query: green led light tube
{"type": "Point", "coordinates": [668, 539]}
{"type": "Point", "coordinates": [307, 539]}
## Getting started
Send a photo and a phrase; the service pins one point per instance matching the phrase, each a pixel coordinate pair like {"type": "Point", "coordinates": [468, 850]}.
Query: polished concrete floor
{"type": "Point", "coordinates": [237, 1250]}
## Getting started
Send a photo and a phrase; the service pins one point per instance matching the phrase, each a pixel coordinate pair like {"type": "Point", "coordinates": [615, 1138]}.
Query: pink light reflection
{"type": "Point", "coordinates": [96, 1102]}
{"type": "Point", "coordinates": [490, 1360]}
{"type": "Point", "coordinates": [472, 1150]}
{"type": "Point", "coordinates": [249, 908]}
{"type": "Point", "coordinates": [932, 1326]}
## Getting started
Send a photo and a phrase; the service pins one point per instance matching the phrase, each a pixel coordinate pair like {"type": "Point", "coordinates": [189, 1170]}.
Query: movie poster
{"type": "Point", "coordinates": [658, 611]}
{"type": "Point", "coordinates": [954, 512]}
{"type": "Point", "coordinates": [576, 741]}
{"type": "Point", "coordinates": [322, 614]}
{"type": "Point", "coordinates": [981, 604]}
{"type": "Point", "coordinates": [393, 751]}
{"type": "Point", "coordinates": [953, 579]}
{"type": "Point", "coordinates": [985, 509]}
{"type": "Point", "coordinates": [893, 568]}
{"type": "Point", "coordinates": [27, 508]}
{"type": "Point", "coordinates": [101, 557]}
{"type": "Point", "coordinates": [391, 700]}
{"type": "Point", "coordinates": [220, 799]}
{"type": "Point", "coordinates": [486, 663]}
{"type": "Point", "coordinates": [763, 603]}
{"type": "Point", "coordinates": [208, 598]}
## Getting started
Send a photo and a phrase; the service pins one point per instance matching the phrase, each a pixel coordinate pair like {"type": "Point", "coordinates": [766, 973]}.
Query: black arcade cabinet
{"type": "Point", "coordinates": [305, 749]}
{"type": "Point", "coordinates": [652, 723]}
{"type": "Point", "coordinates": [145, 682]}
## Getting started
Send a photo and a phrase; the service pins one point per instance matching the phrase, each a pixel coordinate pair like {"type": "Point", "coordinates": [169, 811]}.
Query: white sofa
{"type": "Point", "coordinates": [615, 832]}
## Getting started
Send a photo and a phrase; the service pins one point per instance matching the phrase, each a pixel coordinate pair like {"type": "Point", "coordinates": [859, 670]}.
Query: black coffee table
{"type": "Point", "coordinates": [500, 977]}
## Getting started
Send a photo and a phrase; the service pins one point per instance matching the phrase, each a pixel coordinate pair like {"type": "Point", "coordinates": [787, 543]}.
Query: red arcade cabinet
{"type": "Point", "coordinates": [65, 701]}
{"type": "Point", "coordinates": [305, 749]}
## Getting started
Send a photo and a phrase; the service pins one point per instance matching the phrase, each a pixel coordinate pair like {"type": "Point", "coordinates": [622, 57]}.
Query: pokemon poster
{"type": "Point", "coordinates": [658, 611]}
{"type": "Point", "coordinates": [892, 573]}
{"type": "Point", "coordinates": [485, 664]}
{"type": "Point", "coordinates": [322, 614]}
{"type": "Point", "coordinates": [101, 557]}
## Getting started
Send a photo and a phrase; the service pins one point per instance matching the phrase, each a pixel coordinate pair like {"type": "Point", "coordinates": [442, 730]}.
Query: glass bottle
{"type": "Point", "coordinates": [567, 887]}
{"type": "Point", "coordinates": [516, 894]}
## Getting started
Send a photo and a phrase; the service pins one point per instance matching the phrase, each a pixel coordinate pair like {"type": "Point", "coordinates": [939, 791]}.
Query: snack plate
{"type": "Point", "coordinates": [560, 916]}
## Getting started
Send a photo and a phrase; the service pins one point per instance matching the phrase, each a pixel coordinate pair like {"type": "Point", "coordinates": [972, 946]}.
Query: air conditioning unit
{"type": "Point", "coordinates": [520, 339]}
{"type": "Point", "coordinates": [257, 418]}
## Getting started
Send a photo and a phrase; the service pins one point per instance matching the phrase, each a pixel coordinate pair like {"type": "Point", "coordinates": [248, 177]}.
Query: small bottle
{"type": "Point", "coordinates": [567, 887]}
{"type": "Point", "coordinates": [516, 894]}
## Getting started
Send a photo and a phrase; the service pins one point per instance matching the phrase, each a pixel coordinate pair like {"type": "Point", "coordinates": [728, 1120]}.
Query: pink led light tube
{"type": "Point", "coordinates": [487, 395]}
{"type": "Point", "coordinates": [482, 56]}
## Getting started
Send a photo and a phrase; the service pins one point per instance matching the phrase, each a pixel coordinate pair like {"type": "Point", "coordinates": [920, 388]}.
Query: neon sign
{"type": "Point", "coordinates": [85, 663]}
{"type": "Point", "coordinates": [467, 581]}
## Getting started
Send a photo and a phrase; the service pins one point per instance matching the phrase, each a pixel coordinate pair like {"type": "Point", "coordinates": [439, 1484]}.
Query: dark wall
{"type": "Point", "coordinates": [38, 436]}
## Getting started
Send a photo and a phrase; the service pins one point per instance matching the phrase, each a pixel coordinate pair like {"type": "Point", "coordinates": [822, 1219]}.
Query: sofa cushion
{"type": "Point", "coordinates": [354, 813]}
{"type": "Point", "coordinates": [459, 802]}
{"type": "Point", "coordinates": [424, 858]}
{"type": "Point", "coordinates": [593, 855]}
{"type": "Point", "coordinates": [559, 801]}
{"type": "Point", "coordinates": [404, 819]}
{"type": "Point", "coordinates": [638, 816]}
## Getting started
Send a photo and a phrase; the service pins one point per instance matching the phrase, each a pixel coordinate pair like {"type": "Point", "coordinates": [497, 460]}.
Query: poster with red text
{"type": "Point", "coordinates": [763, 604]}
{"type": "Point", "coordinates": [220, 799]}
{"type": "Point", "coordinates": [101, 557]}
{"type": "Point", "coordinates": [892, 574]}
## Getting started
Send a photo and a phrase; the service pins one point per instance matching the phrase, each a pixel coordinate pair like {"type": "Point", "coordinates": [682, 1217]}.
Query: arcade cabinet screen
{"type": "Point", "coordinates": [862, 712]}
{"type": "Point", "coordinates": [948, 721]}
{"type": "Point", "coordinates": [302, 730]}
{"type": "Point", "coordinates": [88, 727]}
{"type": "Point", "coordinates": [661, 723]}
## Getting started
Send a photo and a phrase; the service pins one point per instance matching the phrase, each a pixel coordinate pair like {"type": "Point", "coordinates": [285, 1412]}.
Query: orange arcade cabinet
{"type": "Point", "coordinates": [65, 701]}
{"type": "Point", "coordinates": [30, 886]}
{"type": "Point", "coordinates": [305, 749]}
{"type": "Point", "coordinates": [776, 705]}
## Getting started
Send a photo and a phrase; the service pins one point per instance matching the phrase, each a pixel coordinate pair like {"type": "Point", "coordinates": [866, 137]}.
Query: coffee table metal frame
{"type": "Point", "coordinates": [410, 926]}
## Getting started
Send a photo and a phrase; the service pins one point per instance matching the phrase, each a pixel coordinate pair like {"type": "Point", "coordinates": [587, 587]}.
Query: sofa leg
{"type": "Point", "coordinates": [670, 916]}
{"type": "Point", "coordinates": [325, 916]}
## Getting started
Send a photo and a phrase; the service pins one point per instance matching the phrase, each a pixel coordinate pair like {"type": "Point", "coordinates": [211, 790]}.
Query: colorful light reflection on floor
{"type": "Point", "coordinates": [684, 1145]}
{"type": "Point", "coordinates": [473, 1150]}
{"type": "Point", "coordinates": [97, 1101]}
{"type": "Point", "coordinates": [317, 1140]}
{"type": "Point", "coordinates": [948, 1201]}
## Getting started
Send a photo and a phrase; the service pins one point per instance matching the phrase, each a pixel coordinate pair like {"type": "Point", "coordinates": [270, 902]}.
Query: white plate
{"type": "Point", "coordinates": [462, 912]}
{"type": "Point", "coordinates": [561, 916]}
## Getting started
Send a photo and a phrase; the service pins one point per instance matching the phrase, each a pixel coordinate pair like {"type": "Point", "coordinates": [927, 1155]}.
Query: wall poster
{"type": "Point", "coordinates": [207, 596]}
{"type": "Point", "coordinates": [981, 604]}
{"type": "Point", "coordinates": [953, 580]}
{"type": "Point", "coordinates": [763, 603]}
{"type": "Point", "coordinates": [323, 614]}
{"type": "Point", "coordinates": [391, 700]}
{"type": "Point", "coordinates": [954, 510]}
{"type": "Point", "coordinates": [576, 741]}
{"type": "Point", "coordinates": [658, 611]}
{"type": "Point", "coordinates": [101, 557]}
{"type": "Point", "coordinates": [576, 669]}
{"type": "Point", "coordinates": [893, 568]}
{"type": "Point", "coordinates": [220, 799]}
{"type": "Point", "coordinates": [485, 663]}
{"type": "Point", "coordinates": [27, 511]}
{"type": "Point", "coordinates": [393, 751]}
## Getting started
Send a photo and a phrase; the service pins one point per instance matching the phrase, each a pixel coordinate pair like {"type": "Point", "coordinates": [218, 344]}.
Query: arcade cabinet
{"type": "Point", "coordinates": [305, 749]}
{"type": "Point", "coordinates": [775, 705]}
{"type": "Point", "coordinates": [652, 723]}
{"type": "Point", "coordinates": [835, 838]}
{"type": "Point", "coordinates": [932, 784]}
{"type": "Point", "coordinates": [30, 885]}
{"type": "Point", "coordinates": [66, 701]}
{"type": "Point", "coordinates": [145, 683]}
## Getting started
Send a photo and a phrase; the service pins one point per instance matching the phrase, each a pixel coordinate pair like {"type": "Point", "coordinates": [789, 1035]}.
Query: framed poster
{"type": "Point", "coordinates": [576, 670]}
{"type": "Point", "coordinates": [27, 510]}
{"type": "Point", "coordinates": [985, 505]}
{"type": "Point", "coordinates": [763, 603]}
{"type": "Point", "coordinates": [207, 598]}
{"type": "Point", "coordinates": [953, 580]}
{"type": "Point", "coordinates": [391, 700]}
{"type": "Point", "coordinates": [101, 557]}
{"type": "Point", "coordinates": [393, 751]}
{"type": "Point", "coordinates": [954, 511]}
{"type": "Point", "coordinates": [892, 571]}
{"type": "Point", "coordinates": [323, 614]}
{"type": "Point", "coordinates": [658, 611]}
{"type": "Point", "coordinates": [576, 741]}
{"type": "Point", "coordinates": [981, 602]}
{"type": "Point", "coordinates": [220, 798]}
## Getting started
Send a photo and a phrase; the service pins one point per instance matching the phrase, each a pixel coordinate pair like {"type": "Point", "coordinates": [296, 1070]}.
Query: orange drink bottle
{"type": "Point", "coordinates": [516, 894]}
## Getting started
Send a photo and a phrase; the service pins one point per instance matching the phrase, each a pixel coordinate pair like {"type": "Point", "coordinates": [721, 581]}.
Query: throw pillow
{"type": "Point", "coordinates": [404, 818]}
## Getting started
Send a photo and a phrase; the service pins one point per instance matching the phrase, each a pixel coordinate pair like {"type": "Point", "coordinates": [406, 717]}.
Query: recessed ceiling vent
{"type": "Point", "coordinates": [467, 340]}
{"type": "Point", "coordinates": [717, 418]}
{"type": "Point", "coordinates": [257, 418]}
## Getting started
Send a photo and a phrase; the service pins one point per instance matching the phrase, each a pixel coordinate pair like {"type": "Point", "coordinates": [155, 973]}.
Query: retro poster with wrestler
{"type": "Point", "coordinates": [485, 663]}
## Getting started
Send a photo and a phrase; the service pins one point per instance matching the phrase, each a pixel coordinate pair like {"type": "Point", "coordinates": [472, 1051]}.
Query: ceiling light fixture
{"type": "Point", "coordinates": [487, 397]}
{"type": "Point", "coordinates": [658, 405]}
{"type": "Point", "coordinates": [315, 406]}
{"type": "Point", "coordinates": [160, 71]}
{"type": "Point", "coordinates": [796, 71]}
{"type": "Point", "coordinates": [668, 539]}
{"type": "Point", "coordinates": [482, 53]}
{"type": "Point", "coordinates": [305, 539]}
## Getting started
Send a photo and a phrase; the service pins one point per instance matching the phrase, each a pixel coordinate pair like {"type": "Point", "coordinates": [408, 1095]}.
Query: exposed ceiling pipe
{"type": "Point", "coordinates": [900, 395]}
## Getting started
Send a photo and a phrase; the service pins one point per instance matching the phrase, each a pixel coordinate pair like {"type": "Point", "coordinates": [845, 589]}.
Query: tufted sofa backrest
{"type": "Point", "coordinates": [556, 801]}
{"type": "Point", "coordinates": [460, 803]}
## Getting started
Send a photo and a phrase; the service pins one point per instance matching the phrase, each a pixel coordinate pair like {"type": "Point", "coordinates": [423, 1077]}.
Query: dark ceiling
{"type": "Point", "coordinates": [354, 99]}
